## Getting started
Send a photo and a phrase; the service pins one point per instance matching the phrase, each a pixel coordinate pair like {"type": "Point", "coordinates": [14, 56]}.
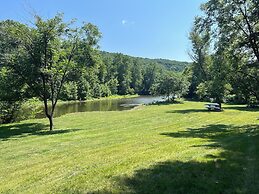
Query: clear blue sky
{"type": "Point", "coordinates": [145, 28]}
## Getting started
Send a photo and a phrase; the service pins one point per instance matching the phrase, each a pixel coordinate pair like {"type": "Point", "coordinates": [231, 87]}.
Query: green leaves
{"type": "Point", "coordinates": [90, 34]}
{"type": "Point", "coordinates": [44, 55]}
{"type": "Point", "coordinates": [171, 85]}
{"type": "Point", "coordinates": [225, 42]}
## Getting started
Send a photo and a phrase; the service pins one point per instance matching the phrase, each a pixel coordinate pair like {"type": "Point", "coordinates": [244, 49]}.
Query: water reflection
{"type": "Point", "coordinates": [102, 105]}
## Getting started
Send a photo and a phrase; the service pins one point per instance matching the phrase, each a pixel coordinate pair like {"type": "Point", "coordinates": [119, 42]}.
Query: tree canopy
{"type": "Point", "coordinates": [225, 51]}
{"type": "Point", "coordinates": [44, 55]}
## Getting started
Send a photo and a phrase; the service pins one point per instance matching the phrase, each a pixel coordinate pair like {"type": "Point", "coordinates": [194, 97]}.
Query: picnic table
{"type": "Point", "coordinates": [213, 106]}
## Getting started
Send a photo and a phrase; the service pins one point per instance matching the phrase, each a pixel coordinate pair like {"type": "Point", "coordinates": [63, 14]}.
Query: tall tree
{"type": "Point", "coordinates": [235, 23]}
{"type": "Point", "coordinates": [44, 55]}
{"type": "Point", "coordinates": [137, 77]}
{"type": "Point", "coordinates": [200, 39]}
{"type": "Point", "coordinates": [124, 74]}
{"type": "Point", "coordinates": [217, 85]}
{"type": "Point", "coordinates": [151, 74]}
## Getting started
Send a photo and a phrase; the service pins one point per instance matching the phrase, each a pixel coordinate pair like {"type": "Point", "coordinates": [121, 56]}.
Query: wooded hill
{"type": "Point", "coordinates": [171, 65]}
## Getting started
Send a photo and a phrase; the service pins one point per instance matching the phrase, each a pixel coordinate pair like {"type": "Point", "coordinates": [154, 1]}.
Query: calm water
{"type": "Point", "coordinates": [103, 105]}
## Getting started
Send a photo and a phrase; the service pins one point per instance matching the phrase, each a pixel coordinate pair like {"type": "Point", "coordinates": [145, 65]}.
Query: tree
{"type": "Point", "coordinates": [200, 39]}
{"type": "Point", "coordinates": [151, 74]}
{"type": "Point", "coordinates": [235, 27]}
{"type": "Point", "coordinates": [124, 74]}
{"type": "Point", "coordinates": [137, 77]}
{"type": "Point", "coordinates": [237, 21]}
{"type": "Point", "coordinates": [12, 93]}
{"type": "Point", "coordinates": [217, 85]}
{"type": "Point", "coordinates": [44, 56]}
{"type": "Point", "coordinates": [113, 85]}
{"type": "Point", "coordinates": [171, 86]}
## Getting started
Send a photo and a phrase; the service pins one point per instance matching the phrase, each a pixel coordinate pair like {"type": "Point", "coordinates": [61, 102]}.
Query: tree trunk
{"type": "Point", "coordinates": [219, 102]}
{"type": "Point", "coordinates": [49, 116]}
{"type": "Point", "coordinates": [50, 122]}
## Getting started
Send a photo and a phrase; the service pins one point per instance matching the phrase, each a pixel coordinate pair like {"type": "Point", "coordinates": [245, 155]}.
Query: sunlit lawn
{"type": "Point", "coordinates": [177, 148]}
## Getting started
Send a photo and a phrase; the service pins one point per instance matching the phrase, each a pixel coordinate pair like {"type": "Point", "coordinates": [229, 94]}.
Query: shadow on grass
{"type": "Point", "coordinates": [55, 131]}
{"type": "Point", "coordinates": [233, 170]}
{"type": "Point", "coordinates": [239, 108]}
{"type": "Point", "coordinates": [209, 131]}
{"type": "Point", "coordinates": [187, 111]}
{"type": "Point", "coordinates": [242, 108]}
{"type": "Point", "coordinates": [226, 137]}
{"type": "Point", "coordinates": [27, 129]}
{"type": "Point", "coordinates": [160, 103]}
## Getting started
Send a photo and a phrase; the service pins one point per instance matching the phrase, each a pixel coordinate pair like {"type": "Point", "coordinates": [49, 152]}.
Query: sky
{"type": "Point", "coordinates": [143, 28]}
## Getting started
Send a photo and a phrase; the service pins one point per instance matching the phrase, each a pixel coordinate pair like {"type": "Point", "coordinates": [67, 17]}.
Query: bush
{"type": "Point", "coordinates": [252, 102]}
{"type": "Point", "coordinates": [11, 111]}
{"type": "Point", "coordinates": [29, 109]}
{"type": "Point", "coordinates": [8, 110]}
{"type": "Point", "coordinates": [236, 99]}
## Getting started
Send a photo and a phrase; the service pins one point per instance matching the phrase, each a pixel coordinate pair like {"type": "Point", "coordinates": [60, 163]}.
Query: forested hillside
{"type": "Point", "coordinates": [171, 65]}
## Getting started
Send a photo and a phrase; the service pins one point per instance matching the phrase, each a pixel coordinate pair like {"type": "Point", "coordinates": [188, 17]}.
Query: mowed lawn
{"type": "Point", "coordinates": [175, 148]}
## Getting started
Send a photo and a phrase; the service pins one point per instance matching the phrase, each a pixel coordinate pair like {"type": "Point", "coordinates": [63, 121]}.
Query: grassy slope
{"type": "Point", "coordinates": [177, 148]}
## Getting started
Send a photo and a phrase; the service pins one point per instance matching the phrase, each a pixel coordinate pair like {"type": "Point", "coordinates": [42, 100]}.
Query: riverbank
{"type": "Point", "coordinates": [101, 98]}
{"type": "Point", "coordinates": [40, 103]}
{"type": "Point", "coordinates": [165, 148]}
{"type": "Point", "coordinates": [32, 108]}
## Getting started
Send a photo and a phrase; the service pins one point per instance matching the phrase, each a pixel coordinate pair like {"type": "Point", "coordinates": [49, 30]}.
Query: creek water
{"type": "Point", "coordinates": [102, 105]}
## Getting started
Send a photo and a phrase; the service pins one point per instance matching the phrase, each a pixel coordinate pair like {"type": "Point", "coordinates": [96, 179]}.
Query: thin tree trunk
{"type": "Point", "coordinates": [50, 122]}
{"type": "Point", "coordinates": [49, 116]}
{"type": "Point", "coordinates": [219, 102]}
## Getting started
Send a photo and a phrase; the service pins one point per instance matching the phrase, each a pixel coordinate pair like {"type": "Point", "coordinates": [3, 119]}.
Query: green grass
{"type": "Point", "coordinates": [178, 148]}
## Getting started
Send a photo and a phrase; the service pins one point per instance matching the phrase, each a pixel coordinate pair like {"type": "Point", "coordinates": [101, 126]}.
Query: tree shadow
{"type": "Point", "coordinates": [242, 108]}
{"type": "Point", "coordinates": [187, 111]}
{"type": "Point", "coordinates": [183, 177]}
{"type": "Point", "coordinates": [208, 131]}
{"type": "Point", "coordinates": [219, 135]}
{"type": "Point", "coordinates": [26, 129]}
{"type": "Point", "coordinates": [160, 103]}
{"type": "Point", "coordinates": [233, 170]}
{"type": "Point", "coordinates": [177, 177]}
{"type": "Point", "coordinates": [55, 131]}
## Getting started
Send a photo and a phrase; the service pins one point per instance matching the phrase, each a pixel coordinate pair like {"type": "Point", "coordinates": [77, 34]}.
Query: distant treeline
{"type": "Point", "coordinates": [177, 66]}
{"type": "Point", "coordinates": [116, 73]}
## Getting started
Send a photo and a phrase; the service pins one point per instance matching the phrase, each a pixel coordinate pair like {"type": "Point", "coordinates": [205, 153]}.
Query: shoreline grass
{"type": "Point", "coordinates": [94, 99]}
